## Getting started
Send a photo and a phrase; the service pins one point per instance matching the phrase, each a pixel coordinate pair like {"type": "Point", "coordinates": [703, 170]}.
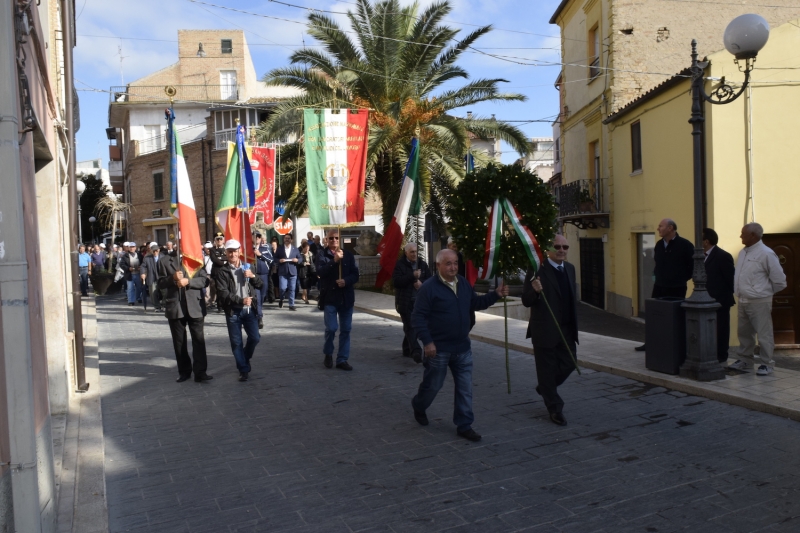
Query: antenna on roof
{"type": "Point", "coordinates": [121, 57]}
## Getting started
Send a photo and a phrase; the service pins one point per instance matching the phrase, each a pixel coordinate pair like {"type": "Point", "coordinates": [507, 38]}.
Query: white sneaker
{"type": "Point", "coordinates": [764, 370]}
{"type": "Point", "coordinates": [739, 365]}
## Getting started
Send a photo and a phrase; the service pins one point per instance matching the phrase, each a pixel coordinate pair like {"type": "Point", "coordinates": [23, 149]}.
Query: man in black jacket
{"type": "Point", "coordinates": [554, 364]}
{"type": "Point", "coordinates": [130, 262]}
{"type": "Point", "coordinates": [287, 257]}
{"type": "Point", "coordinates": [185, 306]}
{"type": "Point", "coordinates": [409, 273]}
{"type": "Point", "coordinates": [237, 286]}
{"type": "Point", "coordinates": [263, 262]}
{"type": "Point", "coordinates": [218, 260]}
{"type": "Point", "coordinates": [338, 273]}
{"type": "Point", "coordinates": [719, 273]}
{"type": "Point", "coordinates": [149, 273]}
{"type": "Point", "coordinates": [674, 263]}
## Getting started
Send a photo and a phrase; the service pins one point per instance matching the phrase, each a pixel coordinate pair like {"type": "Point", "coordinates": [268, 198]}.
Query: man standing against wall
{"type": "Point", "coordinates": [674, 264]}
{"type": "Point", "coordinates": [759, 276]}
{"type": "Point", "coordinates": [719, 284]}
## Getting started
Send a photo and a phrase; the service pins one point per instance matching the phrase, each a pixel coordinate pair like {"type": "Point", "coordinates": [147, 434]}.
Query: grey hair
{"type": "Point", "coordinates": [443, 252]}
{"type": "Point", "coordinates": [450, 240]}
{"type": "Point", "coordinates": [409, 246]}
{"type": "Point", "coordinates": [672, 223]}
{"type": "Point", "coordinates": [756, 229]}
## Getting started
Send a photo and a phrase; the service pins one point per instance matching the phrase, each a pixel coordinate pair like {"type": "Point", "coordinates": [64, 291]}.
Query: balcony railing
{"type": "Point", "coordinates": [159, 142]}
{"type": "Point", "coordinates": [582, 202]}
{"type": "Point", "coordinates": [129, 94]}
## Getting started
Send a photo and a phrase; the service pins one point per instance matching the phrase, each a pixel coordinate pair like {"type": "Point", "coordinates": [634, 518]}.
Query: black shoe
{"type": "Point", "coordinates": [130, 304]}
{"type": "Point", "coordinates": [640, 348]}
{"type": "Point", "coordinates": [183, 378]}
{"type": "Point", "coordinates": [202, 377]}
{"type": "Point", "coordinates": [538, 390]}
{"type": "Point", "coordinates": [406, 354]}
{"type": "Point", "coordinates": [558, 419]}
{"type": "Point", "coordinates": [243, 376]}
{"type": "Point", "coordinates": [328, 361]}
{"type": "Point", "coordinates": [260, 323]}
{"type": "Point", "coordinates": [292, 308]}
{"type": "Point", "coordinates": [417, 356]}
{"type": "Point", "coordinates": [344, 365]}
{"type": "Point", "coordinates": [280, 302]}
{"type": "Point", "coordinates": [421, 418]}
{"type": "Point", "coordinates": [470, 434]}
{"type": "Point", "coordinates": [271, 300]}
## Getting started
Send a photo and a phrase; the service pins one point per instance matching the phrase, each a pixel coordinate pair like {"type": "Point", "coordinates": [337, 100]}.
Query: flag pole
{"type": "Point", "coordinates": [245, 204]}
{"type": "Point", "coordinates": [339, 233]}
{"type": "Point", "coordinates": [171, 91]}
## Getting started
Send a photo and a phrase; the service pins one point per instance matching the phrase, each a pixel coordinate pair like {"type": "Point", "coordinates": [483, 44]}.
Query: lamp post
{"type": "Point", "coordinates": [80, 186]}
{"type": "Point", "coordinates": [92, 220]}
{"type": "Point", "coordinates": [744, 37]}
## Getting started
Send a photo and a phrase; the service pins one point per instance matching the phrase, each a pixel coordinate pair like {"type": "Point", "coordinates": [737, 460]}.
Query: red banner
{"type": "Point", "coordinates": [263, 165]}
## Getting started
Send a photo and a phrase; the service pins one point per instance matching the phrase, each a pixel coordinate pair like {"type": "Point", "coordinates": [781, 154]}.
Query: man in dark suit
{"type": "Point", "coordinates": [149, 274]}
{"type": "Point", "coordinates": [263, 262]}
{"type": "Point", "coordinates": [185, 306]}
{"type": "Point", "coordinates": [288, 259]}
{"type": "Point", "coordinates": [554, 364]}
{"type": "Point", "coordinates": [719, 273]}
{"type": "Point", "coordinates": [673, 256]}
{"type": "Point", "coordinates": [410, 272]}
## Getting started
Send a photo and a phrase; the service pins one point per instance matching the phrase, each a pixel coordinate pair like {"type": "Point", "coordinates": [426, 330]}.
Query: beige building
{"type": "Point", "coordinates": [613, 52]}
{"type": "Point", "coordinates": [215, 83]}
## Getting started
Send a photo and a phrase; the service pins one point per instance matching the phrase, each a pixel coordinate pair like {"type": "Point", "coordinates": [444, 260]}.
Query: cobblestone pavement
{"type": "Point", "coordinates": [303, 448]}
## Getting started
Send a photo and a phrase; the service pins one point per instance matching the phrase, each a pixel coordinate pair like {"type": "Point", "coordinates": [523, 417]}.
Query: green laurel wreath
{"type": "Point", "coordinates": [469, 214]}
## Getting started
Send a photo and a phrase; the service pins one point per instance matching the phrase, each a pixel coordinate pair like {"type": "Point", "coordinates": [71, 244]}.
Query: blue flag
{"type": "Point", "coordinates": [248, 183]}
{"type": "Point", "coordinates": [169, 115]}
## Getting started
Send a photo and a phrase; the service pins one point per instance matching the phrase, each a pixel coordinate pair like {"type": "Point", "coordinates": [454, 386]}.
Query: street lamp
{"type": "Point", "coordinates": [92, 220]}
{"type": "Point", "coordinates": [744, 37]}
{"type": "Point", "coordinates": [80, 186]}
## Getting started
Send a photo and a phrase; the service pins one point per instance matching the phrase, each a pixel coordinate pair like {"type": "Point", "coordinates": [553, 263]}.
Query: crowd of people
{"type": "Point", "coordinates": [437, 306]}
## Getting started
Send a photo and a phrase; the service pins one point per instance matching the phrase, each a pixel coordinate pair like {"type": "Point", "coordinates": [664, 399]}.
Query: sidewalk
{"type": "Point", "coordinates": [777, 394]}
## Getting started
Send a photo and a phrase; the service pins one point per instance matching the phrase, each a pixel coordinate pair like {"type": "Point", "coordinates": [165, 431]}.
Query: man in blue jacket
{"type": "Point", "coordinates": [441, 320]}
{"type": "Point", "coordinates": [288, 259]}
{"type": "Point", "coordinates": [338, 274]}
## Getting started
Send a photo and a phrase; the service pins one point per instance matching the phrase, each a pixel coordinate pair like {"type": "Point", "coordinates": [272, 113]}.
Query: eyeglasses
{"type": "Point", "coordinates": [564, 247]}
{"type": "Point", "coordinates": [333, 238]}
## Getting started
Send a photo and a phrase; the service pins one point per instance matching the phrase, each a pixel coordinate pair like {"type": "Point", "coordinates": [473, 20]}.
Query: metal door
{"type": "Point", "coordinates": [592, 272]}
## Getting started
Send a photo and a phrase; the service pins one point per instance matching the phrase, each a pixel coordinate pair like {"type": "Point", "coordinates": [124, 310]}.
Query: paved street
{"type": "Point", "coordinates": [303, 448]}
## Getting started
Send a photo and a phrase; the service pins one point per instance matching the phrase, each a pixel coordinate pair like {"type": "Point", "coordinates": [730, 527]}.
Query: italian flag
{"type": "Point", "coordinates": [336, 161]}
{"type": "Point", "coordinates": [188, 228]}
{"type": "Point", "coordinates": [494, 233]}
{"type": "Point", "coordinates": [409, 204]}
{"type": "Point", "coordinates": [231, 219]}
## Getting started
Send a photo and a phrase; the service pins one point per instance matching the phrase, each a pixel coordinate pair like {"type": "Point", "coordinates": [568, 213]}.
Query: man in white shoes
{"type": "Point", "coordinates": [759, 276]}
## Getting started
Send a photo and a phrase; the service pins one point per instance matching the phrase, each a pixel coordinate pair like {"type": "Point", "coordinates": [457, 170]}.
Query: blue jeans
{"type": "Point", "coordinates": [433, 379]}
{"type": "Point", "coordinates": [343, 324]}
{"type": "Point", "coordinates": [135, 288]}
{"type": "Point", "coordinates": [246, 318]}
{"type": "Point", "coordinates": [84, 274]}
{"type": "Point", "coordinates": [285, 283]}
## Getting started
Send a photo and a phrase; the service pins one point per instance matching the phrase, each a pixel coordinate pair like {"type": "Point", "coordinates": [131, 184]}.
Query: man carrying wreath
{"type": "Point", "coordinates": [441, 320]}
{"type": "Point", "coordinates": [554, 363]}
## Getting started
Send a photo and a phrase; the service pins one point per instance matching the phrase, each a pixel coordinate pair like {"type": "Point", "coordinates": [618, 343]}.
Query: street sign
{"type": "Point", "coordinates": [283, 225]}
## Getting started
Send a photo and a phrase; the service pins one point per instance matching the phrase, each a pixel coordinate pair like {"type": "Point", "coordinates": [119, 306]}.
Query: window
{"type": "Point", "coordinates": [227, 46]}
{"type": "Point", "coordinates": [227, 82]}
{"type": "Point", "coordinates": [153, 139]}
{"type": "Point", "coordinates": [594, 52]}
{"type": "Point", "coordinates": [636, 147]}
{"type": "Point", "coordinates": [158, 185]}
{"type": "Point", "coordinates": [557, 150]}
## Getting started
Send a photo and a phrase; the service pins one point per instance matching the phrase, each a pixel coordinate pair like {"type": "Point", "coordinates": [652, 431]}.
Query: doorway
{"type": "Point", "coordinates": [161, 236]}
{"type": "Point", "coordinates": [646, 265]}
{"type": "Point", "coordinates": [786, 304]}
{"type": "Point", "coordinates": [592, 272]}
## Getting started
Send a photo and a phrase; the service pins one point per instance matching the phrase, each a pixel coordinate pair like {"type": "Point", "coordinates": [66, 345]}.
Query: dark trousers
{"type": "Point", "coordinates": [177, 327]}
{"type": "Point", "coordinates": [84, 277]}
{"type": "Point", "coordinates": [660, 291]}
{"type": "Point", "coordinates": [261, 294]}
{"type": "Point", "coordinates": [410, 344]}
{"type": "Point", "coordinates": [723, 333]}
{"type": "Point", "coordinates": [553, 367]}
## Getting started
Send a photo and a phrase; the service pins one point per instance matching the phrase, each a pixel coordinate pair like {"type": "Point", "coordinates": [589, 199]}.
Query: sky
{"type": "Point", "coordinates": [119, 41]}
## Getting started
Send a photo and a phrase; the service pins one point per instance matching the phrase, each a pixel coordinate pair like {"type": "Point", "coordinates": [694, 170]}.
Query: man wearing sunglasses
{"type": "Point", "coordinates": [554, 364]}
{"type": "Point", "coordinates": [338, 274]}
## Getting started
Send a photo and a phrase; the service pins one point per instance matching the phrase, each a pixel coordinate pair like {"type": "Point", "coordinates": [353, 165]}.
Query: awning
{"type": "Point", "coordinates": [163, 221]}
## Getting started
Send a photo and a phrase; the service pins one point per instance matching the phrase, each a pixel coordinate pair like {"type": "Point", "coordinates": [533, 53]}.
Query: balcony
{"type": "Point", "coordinates": [115, 168]}
{"type": "Point", "coordinates": [222, 138]}
{"type": "Point", "coordinates": [583, 203]}
{"type": "Point", "coordinates": [137, 94]}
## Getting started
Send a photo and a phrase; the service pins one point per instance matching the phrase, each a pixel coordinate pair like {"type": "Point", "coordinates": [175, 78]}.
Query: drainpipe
{"type": "Point", "coordinates": [68, 38]}
{"type": "Point", "coordinates": [15, 319]}
{"type": "Point", "coordinates": [211, 181]}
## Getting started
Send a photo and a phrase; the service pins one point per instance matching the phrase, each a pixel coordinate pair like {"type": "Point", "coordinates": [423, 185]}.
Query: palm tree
{"type": "Point", "coordinates": [395, 61]}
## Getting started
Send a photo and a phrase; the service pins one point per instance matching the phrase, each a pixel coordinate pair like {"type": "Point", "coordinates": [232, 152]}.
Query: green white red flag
{"type": "Point", "coordinates": [336, 162]}
{"type": "Point", "coordinates": [491, 259]}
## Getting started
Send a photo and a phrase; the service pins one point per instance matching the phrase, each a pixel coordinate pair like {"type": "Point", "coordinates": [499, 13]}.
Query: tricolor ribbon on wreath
{"type": "Point", "coordinates": [491, 262]}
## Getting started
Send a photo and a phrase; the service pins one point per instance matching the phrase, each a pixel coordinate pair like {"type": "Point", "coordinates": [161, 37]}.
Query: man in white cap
{"type": "Point", "coordinates": [237, 288]}
{"type": "Point", "coordinates": [129, 263]}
